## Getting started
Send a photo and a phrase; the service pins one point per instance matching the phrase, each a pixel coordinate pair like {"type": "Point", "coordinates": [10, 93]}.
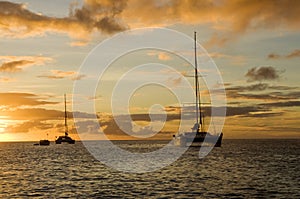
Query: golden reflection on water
{"type": "Point", "coordinates": [240, 169]}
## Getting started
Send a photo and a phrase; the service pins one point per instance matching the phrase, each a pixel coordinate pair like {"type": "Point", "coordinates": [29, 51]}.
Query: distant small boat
{"type": "Point", "coordinates": [66, 138]}
{"type": "Point", "coordinates": [198, 135]}
{"type": "Point", "coordinates": [44, 142]}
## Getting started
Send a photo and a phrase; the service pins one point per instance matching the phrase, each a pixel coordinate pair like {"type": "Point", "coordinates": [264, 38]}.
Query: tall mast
{"type": "Point", "coordinates": [66, 125]}
{"type": "Point", "coordinates": [198, 104]}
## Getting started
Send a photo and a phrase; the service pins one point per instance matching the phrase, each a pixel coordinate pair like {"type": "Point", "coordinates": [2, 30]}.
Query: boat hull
{"type": "Point", "coordinates": [64, 139]}
{"type": "Point", "coordinates": [44, 142]}
{"type": "Point", "coordinates": [198, 139]}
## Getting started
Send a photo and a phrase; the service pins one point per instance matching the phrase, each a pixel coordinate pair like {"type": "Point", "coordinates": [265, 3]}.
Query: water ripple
{"type": "Point", "coordinates": [240, 169]}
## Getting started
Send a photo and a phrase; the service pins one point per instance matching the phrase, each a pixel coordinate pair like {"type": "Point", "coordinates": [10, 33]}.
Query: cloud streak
{"type": "Point", "coordinates": [22, 99]}
{"type": "Point", "coordinates": [293, 54]}
{"type": "Point", "coordinates": [259, 87]}
{"type": "Point", "coordinates": [59, 74]}
{"type": "Point", "coordinates": [13, 64]}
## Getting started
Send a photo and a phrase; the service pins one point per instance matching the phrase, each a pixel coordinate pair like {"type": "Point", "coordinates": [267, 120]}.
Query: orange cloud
{"type": "Point", "coordinates": [58, 74]}
{"type": "Point", "coordinates": [14, 64]}
{"type": "Point", "coordinates": [235, 15]}
{"type": "Point", "coordinates": [164, 56]}
{"type": "Point", "coordinates": [109, 16]}
{"type": "Point", "coordinates": [17, 21]}
{"type": "Point", "coordinates": [6, 79]}
{"type": "Point", "coordinates": [22, 99]}
{"type": "Point", "coordinates": [33, 114]}
{"type": "Point", "coordinates": [293, 54]}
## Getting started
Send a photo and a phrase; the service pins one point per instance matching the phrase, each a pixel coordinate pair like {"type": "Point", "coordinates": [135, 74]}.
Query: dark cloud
{"type": "Point", "coordinates": [262, 96]}
{"type": "Point", "coordinates": [39, 119]}
{"type": "Point", "coordinates": [253, 87]}
{"type": "Point", "coordinates": [263, 115]}
{"type": "Point", "coordinates": [243, 91]}
{"type": "Point", "coordinates": [294, 95]}
{"type": "Point", "coordinates": [189, 112]}
{"type": "Point", "coordinates": [262, 73]}
{"type": "Point", "coordinates": [38, 125]}
{"type": "Point", "coordinates": [261, 91]}
{"type": "Point", "coordinates": [81, 115]}
{"type": "Point", "coordinates": [281, 104]}
{"type": "Point", "coordinates": [273, 56]}
{"type": "Point", "coordinates": [100, 15]}
{"type": "Point", "coordinates": [88, 126]}
{"type": "Point", "coordinates": [281, 87]}
{"type": "Point", "coordinates": [50, 76]}
{"type": "Point", "coordinates": [109, 25]}
{"type": "Point", "coordinates": [112, 129]}
{"type": "Point", "coordinates": [28, 126]}
{"type": "Point", "coordinates": [235, 110]}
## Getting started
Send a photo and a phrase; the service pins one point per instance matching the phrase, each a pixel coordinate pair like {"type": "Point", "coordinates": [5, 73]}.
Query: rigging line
{"type": "Point", "coordinates": [196, 79]}
{"type": "Point", "coordinates": [66, 125]}
{"type": "Point", "coordinates": [212, 121]}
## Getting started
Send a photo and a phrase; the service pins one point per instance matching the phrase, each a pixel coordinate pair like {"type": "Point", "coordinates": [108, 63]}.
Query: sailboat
{"type": "Point", "coordinates": [197, 135]}
{"type": "Point", "coordinates": [66, 138]}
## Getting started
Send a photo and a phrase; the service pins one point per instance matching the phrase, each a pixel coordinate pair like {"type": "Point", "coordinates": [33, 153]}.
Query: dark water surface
{"type": "Point", "coordinates": [239, 169]}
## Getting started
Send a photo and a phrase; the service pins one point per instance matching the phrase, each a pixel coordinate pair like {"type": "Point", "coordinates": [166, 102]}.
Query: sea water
{"type": "Point", "coordinates": [239, 169]}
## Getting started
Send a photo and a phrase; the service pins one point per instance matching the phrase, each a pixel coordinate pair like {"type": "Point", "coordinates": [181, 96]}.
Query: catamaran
{"type": "Point", "coordinates": [197, 135]}
{"type": "Point", "coordinates": [66, 138]}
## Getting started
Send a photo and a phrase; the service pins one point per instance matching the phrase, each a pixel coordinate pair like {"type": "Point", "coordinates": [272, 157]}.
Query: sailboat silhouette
{"type": "Point", "coordinates": [198, 135]}
{"type": "Point", "coordinates": [66, 138]}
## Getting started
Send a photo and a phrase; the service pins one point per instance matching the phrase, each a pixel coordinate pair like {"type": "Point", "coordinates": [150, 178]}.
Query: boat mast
{"type": "Point", "coordinates": [198, 104]}
{"type": "Point", "coordinates": [66, 125]}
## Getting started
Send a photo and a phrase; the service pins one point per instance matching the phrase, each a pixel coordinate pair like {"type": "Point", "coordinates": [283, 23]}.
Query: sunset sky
{"type": "Point", "coordinates": [255, 45]}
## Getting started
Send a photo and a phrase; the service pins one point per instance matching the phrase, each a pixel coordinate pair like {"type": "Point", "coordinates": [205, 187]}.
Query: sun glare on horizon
{"type": "Point", "coordinates": [4, 135]}
{"type": "Point", "coordinates": [2, 125]}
